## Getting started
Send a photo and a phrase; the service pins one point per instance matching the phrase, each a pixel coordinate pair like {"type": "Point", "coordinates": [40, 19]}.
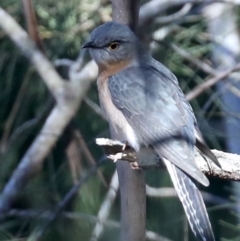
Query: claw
{"type": "Point", "coordinates": [118, 156]}
{"type": "Point", "coordinates": [135, 166]}
{"type": "Point", "coordinates": [124, 145]}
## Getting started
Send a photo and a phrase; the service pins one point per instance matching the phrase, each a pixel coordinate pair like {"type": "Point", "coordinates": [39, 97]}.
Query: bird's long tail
{"type": "Point", "coordinates": [192, 203]}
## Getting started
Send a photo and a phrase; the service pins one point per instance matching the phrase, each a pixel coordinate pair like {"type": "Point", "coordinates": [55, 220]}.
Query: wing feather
{"type": "Point", "coordinates": [156, 109]}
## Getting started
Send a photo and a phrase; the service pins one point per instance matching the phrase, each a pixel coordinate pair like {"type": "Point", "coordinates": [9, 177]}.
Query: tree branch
{"type": "Point", "coordinates": [62, 204]}
{"type": "Point", "coordinates": [32, 25]}
{"type": "Point", "coordinates": [175, 16]}
{"type": "Point", "coordinates": [68, 97]}
{"type": "Point", "coordinates": [230, 162]}
{"type": "Point", "coordinates": [199, 89]}
{"type": "Point", "coordinates": [168, 192]}
{"type": "Point", "coordinates": [105, 208]}
{"type": "Point", "coordinates": [88, 155]}
{"type": "Point", "coordinates": [36, 214]}
{"type": "Point", "coordinates": [44, 67]}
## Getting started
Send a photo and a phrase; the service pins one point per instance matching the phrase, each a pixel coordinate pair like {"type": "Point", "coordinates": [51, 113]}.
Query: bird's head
{"type": "Point", "coordinates": [112, 43]}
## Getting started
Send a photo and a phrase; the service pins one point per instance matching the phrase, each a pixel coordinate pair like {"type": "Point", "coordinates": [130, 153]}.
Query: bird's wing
{"type": "Point", "coordinates": [153, 105]}
{"type": "Point", "coordinates": [192, 203]}
{"type": "Point", "coordinates": [202, 146]}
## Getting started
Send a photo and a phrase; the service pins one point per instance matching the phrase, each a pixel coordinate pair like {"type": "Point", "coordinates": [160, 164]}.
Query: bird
{"type": "Point", "coordinates": [145, 106]}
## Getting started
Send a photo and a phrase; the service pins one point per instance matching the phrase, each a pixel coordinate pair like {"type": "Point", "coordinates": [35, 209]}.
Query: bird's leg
{"type": "Point", "coordinates": [125, 145]}
{"type": "Point", "coordinates": [209, 164]}
{"type": "Point", "coordinates": [120, 156]}
{"type": "Point", "coordinates": [134, 165]}
{"type": "Point", "coordinates": [124, 153]}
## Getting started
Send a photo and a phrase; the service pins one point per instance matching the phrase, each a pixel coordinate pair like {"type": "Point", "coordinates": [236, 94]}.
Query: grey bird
{"type": "Point", "coordinates": [146, 108]}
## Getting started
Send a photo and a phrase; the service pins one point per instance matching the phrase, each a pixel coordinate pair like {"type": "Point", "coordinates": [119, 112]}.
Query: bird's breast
{"type": "Point", "coordinates": [116, 119]}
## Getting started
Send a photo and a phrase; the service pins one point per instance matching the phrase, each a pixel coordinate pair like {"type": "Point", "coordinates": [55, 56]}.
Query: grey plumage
{"type": "Point", "coordinates": [158, 117]}
{"type": "Point", "coordinates": [192, 203]}
{"type": "Point", "coordinates": [145, 104]}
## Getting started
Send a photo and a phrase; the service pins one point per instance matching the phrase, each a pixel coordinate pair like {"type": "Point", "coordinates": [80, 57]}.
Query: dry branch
{"type": "Point", "coordinates": [13, 113]}
{"type": "Point", "coordinates": [147, 159]}
{"type": "Point", "coordinates": [209, 83]}
{"type": "Point", "coordinates": [37, 235]}
{"type": "Point", "coordinates": [200, 64]}
{"type": "Point", "coordinates": [40, 214]}
{"type": "Point", "coordinates": [68, 97]}
{"type": "Point", "coordinates": [88, 155]}
{"type": "Point", "coordinates": [175, 16]}
{"type": "Point", "coordinates": [44, 67]}
{"type": "Point", "coordinates": [31, 22]}
{"type": "Point", "coordinates": [169, 192]}
{"type": "Point", "coordinates": [105, 208]}
{"type": "Point", "coordinates": [154, 8]}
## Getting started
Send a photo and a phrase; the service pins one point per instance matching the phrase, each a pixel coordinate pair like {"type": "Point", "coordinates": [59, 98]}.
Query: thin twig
{"type": "Point", "coordinates": [74, 159]}
{"type": "Point", "coordinates": [209, 83]}
{"type": "Point", "coordinates": [11, 118]}
{"type": "Point", "coordinates": [200, 64]}
{"type": "Point", "coordinates": [234, 90]}
{"type": "Point", "coordinates": [218, 76]}
{"type": "Point", "coordinates": [88, 155]}
{"type": "Point", "coordinates": [35, 214]}
{"type": "Point", "coordinates": [94, 107]}
{"type": "Point", "coordinates": [175, 16]}
{"type": "Point", "coordinates": [42, 214]}
{"type": "Point", "coordinates": [156, 237]}
{"type": "Point", "coordinates": [31, 22]}
{"type": "Point", "coordinates": [39, 233]}
{"type": "Point", "coordinates": [153, 8]}
{"type": "Point", "coordinates": [19, 131]}
{"type": "Point", "coordinates": [105, 208]}
{"type": "Point", "coordinates": [166, 192]}
{"type": "Point", "coordinates": [21, 39]}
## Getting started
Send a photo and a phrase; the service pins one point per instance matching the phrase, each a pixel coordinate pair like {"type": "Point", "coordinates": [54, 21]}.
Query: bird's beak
{"type": "Point", "coordinates": [89, 44]}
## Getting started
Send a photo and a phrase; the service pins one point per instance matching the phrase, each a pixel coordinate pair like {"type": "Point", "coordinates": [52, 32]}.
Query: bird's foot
{"type": "Point", "coordinates": [118, 156]}
{"type": "Point", "coordinates": [124, 145]}
{"type": "Point", "coordinates": [135, 166]}
{"type": "Point", "coordinates": [209, 164]}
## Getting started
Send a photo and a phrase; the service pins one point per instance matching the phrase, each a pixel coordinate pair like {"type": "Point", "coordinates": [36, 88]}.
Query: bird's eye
{"type": "Point", "coordinates": [113, 45]}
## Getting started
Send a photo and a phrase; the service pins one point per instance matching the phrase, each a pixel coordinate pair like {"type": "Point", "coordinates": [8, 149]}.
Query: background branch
{"type": "Point", "coordinates": [44, 67]}
{"type": "Point", "coordinates": [196, 91]}
{"type": "Point", "coordinates": [68, 197]}
{"type": "Point", "coordinates": [106, 207]}
{"type": "Point", "coordinates": [68, 96]}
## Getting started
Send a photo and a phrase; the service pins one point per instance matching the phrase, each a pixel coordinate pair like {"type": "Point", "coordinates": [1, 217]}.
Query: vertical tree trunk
{"type": "Point", "coordinates": [132, 182]}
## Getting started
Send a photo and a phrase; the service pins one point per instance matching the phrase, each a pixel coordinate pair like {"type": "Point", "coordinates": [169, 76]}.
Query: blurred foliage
{"type": "Point", "coordinates": [25, 104]}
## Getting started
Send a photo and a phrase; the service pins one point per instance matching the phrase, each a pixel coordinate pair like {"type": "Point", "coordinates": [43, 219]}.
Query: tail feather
{"type": "Point", "coordinates": [202, 146]}
{"type": "Point", "coordinates": [192, 203]}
